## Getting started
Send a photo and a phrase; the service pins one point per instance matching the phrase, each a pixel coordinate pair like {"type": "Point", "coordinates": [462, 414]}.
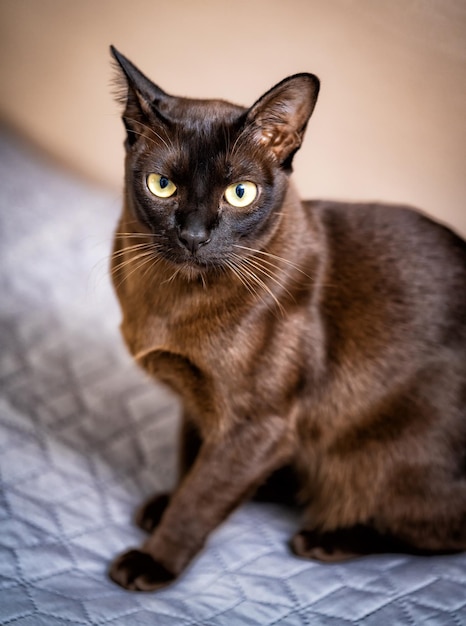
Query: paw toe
{"type": "Point", "coordinates": [304, 543]}
{"type": "Point", "coordinates": [138, 571]}
{"type": "Point", "coordinates": [328, 547]}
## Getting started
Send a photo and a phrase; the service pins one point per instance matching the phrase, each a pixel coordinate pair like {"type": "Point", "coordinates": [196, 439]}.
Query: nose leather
{"type": "Point", "coordinates": [193, 235]}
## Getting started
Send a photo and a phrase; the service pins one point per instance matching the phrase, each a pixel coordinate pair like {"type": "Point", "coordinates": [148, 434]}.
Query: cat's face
{"type": "Point", "coordinates": [208, 178]}
{"type": "Point", "coordinates": [201, 187]}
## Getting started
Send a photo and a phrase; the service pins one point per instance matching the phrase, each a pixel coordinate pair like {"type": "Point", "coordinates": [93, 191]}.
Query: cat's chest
{"type": "Point", "coordinates": [200, 364]}
{"type": "Point", "coordinates": [199, 335]}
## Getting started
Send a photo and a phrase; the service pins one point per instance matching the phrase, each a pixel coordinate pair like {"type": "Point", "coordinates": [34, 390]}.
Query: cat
{"type": "Point", "coordinates": [318, 348]}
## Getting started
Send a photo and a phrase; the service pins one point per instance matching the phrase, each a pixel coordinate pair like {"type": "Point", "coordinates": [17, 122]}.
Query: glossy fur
{"type": "Point", "coordinates": [325, 336]}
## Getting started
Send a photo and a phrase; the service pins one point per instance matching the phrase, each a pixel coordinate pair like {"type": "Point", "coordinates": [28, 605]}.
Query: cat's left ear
{"type": "Point", "coordinates": [279, 118]}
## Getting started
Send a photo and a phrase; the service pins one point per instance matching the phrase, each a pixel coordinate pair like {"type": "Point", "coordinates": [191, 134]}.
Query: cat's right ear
{"type": "Point", "coordinates": [139, 95]}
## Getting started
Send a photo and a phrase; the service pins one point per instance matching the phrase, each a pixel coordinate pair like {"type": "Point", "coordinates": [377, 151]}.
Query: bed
{"type": "Point", "coordinates": [84, 437]}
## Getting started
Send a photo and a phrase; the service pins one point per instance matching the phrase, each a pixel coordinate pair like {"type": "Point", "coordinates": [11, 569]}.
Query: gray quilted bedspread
{"type": "Point", "coordinates": [84, 437]}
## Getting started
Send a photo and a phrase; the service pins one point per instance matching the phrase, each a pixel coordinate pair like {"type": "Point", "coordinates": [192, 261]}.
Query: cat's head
{"type": "Point", "coordinates": [207, 176]}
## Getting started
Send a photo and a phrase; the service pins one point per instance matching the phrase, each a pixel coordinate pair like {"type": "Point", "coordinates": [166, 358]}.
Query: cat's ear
{"type": "Point", "coordinates": [279, 118]}
{"type": "Point", "coordinates": [141, 98]}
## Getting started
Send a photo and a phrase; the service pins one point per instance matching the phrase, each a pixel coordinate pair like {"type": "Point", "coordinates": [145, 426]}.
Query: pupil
{"type": "Point", "coordinates": [163, 182]}
{"type": "Point", "coordinates": [239, 191]}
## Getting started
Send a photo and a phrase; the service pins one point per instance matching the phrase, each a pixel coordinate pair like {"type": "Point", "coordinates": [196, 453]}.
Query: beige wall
{"type": "Point", "coordinates": [390, 122]}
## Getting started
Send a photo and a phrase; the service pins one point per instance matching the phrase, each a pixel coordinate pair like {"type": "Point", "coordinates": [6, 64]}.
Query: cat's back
{"type": "Point", "coordinates": [379, 230]}
{"type": "Point", "coordinates": [392, 273]}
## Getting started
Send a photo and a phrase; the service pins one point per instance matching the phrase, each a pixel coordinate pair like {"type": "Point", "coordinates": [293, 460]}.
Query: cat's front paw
{"type": "Point", "coordinates": [150, 513]}
{"type": "Point", "coordinates": [321, 546]}
{"type": "Point", "coordinates": [138, 571]}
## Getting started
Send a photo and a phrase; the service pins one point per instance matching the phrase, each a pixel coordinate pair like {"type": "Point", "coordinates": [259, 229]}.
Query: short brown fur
{"type": "Point", "coordinates": [326, 336]}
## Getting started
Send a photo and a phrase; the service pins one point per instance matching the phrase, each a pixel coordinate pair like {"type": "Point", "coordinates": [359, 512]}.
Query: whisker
{"type": "Point", "coordinates": [135, 248]}
{"type": "Point", "coordinates": [123, 235]}
{"type": "Point", "coordinates": [133, 259]}
{"type": "Point", "coordinates": [135, 132]}
{"type": "Point", "coordinates": [257, 265]}
{"type": "Point", "coordinates": [150, 266]}
{"type": "Point", "coordinates": [147, 257]}
{"type": "Point", "coordinates": [236, 271]}
{"type": "Point", "coordinates": [137, 252]}
{"type": "Point", "coordinates": [203, 280]}
{"type": "Point", "coordinates": [154, 132]}
{"type": "Point", "coordinates": [119, 253]}
{"type": "Point", "coordinates": [276, 257]}
{"type": "Point", "coordinates": [253, 276]}
{"type": "Point", "coordinates": [151, 130]}
{"type": "Point", "coordinates": [241, 135]}
{"type": "Point", "coordinates": [173, 276]}
{"type": "Point", "coordinates": [259, 261]}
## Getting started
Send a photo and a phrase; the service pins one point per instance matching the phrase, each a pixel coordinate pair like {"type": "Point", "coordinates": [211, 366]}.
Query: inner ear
{"type": "Point", "coordinates": [141, 98]}
{"type": "Point", "coordinates": [279, 118]}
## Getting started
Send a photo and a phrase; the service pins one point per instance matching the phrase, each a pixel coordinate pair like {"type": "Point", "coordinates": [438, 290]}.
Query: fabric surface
{"type": "Point", "coordinates": [84, 437]}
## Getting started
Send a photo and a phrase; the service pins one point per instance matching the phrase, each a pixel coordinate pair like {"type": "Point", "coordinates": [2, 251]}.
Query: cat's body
{"type": "Point", "coordinates": [326, 336]}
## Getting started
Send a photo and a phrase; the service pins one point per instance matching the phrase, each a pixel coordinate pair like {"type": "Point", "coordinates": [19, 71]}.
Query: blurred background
{"type": "Point", "coordinates": [389, 124]}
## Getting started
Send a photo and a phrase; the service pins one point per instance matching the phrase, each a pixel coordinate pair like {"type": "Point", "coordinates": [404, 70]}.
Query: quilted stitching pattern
{"type": "Point", "coordinates": [84, 437]}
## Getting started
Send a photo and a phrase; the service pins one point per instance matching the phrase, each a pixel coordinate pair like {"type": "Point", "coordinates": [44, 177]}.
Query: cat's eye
{"type": "Point", "coordinates": [160, 186]}
{"type": "Point", "coordinates": [241, 194]}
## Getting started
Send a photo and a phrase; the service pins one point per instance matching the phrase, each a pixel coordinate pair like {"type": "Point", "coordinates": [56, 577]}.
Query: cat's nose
{"type": "Point", "coordinates": [194, 237]}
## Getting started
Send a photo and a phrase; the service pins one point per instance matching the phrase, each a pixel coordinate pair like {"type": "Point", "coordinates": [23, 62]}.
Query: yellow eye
{"type": "Point", "coordinates": [241, 194]}
{"type": "Point", "coordinates": [160, 186]}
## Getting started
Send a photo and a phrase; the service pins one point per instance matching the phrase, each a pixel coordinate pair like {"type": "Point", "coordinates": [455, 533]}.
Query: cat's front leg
{"type": "Point", "coordinates": [227, 469]}
{"type": "Point", "coordinates": [148, 515]}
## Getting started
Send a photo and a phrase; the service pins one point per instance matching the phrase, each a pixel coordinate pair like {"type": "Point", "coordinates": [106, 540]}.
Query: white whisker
{"type": "Point", "coordinates": [256, 264]}
{"type": "Point", "coordinates": [236, 271]}
{"type": "Point", "coordinates": [133, 259]}
{"type": "Point", "coordinates": [151, 130]}
{"type": "Point", "coordinates": [275, 257]}
{"type": "Point", "coordinates": [147, 258]}
{"type": "Point", "coordinates": [173, 276]}
{"type": "Point", "coordinates": [251, 274]}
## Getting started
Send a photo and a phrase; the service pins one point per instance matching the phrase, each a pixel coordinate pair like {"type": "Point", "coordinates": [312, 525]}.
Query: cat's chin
{"type": "Point", "coordinates": [190, 271]}
{"type": "Point", "coordinates": [191, 267]}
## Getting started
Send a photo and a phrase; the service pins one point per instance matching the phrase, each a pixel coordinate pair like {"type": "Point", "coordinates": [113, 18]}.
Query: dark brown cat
{"type": "Point", "coordinates": [321, 339]}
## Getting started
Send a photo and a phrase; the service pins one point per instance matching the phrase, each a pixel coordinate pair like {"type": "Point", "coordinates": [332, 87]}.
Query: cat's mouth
{"type": "Point", "coordinates": [191, 264]}
{"type": "Point", "coordinates": [192, 270]}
